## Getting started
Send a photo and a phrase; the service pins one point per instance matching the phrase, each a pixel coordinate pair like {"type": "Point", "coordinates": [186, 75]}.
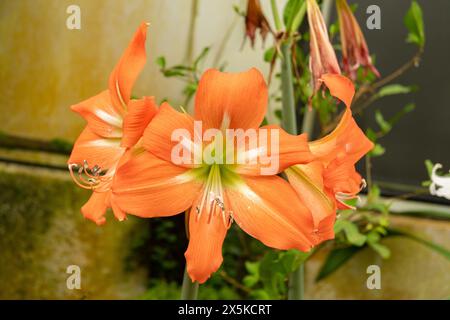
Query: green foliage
{"type": "Point", "coordinates": [239, 11]}
{"type": "Point", "coordinates": [393, 89]}
{"type": "Point", "coordinates": [351, 231]}
{"type": "Point", "coordinates": [385, 127]}
{"type": "Point", "coordinates": [62, 145]}
{"type": "Point", "coordinates": [414, 23]}
{"type": "Point", "coordinates": [163, 290]}
{"type": "Point", "coordinates": [433, 246]}
{"type": "Point", "coordinates": [268, 276]}
{"type": "Point", "coordinates": [293, 14]}
{"type": "Point", "coordinates": [189, 74]}
{"type": "Point", "coordinates": [335, 259]}
{"type": "Point", "coordinates": [269, 54]}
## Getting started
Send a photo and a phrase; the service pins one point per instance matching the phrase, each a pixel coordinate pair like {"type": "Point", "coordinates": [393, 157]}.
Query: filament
{"type": "Point", "coordinates": [88, 178]}
{"type": "Point", "coordinates": [212, 200]}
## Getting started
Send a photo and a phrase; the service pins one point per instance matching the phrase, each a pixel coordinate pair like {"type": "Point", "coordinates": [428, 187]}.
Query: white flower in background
{"type": "Point", "coordinates": [440, 185]}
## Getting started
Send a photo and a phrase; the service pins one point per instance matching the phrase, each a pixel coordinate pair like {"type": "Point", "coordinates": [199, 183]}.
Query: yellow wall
{"type": "Point", "coordinates": [44, 67]}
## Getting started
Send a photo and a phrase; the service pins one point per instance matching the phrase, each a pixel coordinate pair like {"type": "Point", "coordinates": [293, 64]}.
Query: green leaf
{"type": "Point", "coordinates": [161, 62]}
{"type": "Point", "coordinates": [351, 231]}
{"type": "Point", "coordinates": [293, 14]}
{"type": "Point", "coordinates": [269, 54]}
{"type": "Point", "coordinates": [252, 267]}
{"type": "Point", "coordinates": [260, 295]}
{"type": "Point", "coordinates": [200, 57]}
{"type": "Point", "coordinates": [381, 249]}
{"type": "Point", "coordinates": [435, 247]}
{"type": "Point", "coordinates": [173, 73]}
{"type": "Point", "coordinates": [393, 89]}
{"type": "Point", "coordinates": [336, 259]}
{"type": "Point", "coordinates": [372, 135]}
{"type": "Point", "coordinates": [429, 165]}
{"type": "Point", "coordinates": [238, 10]}
{"type": "Point", "coordinates": [414, 23]}
{"type": "Point", "coordinates": [250, 280]}
{"type": "Point", "coordinates": [378, 150]}
{"type": "Point", "coordinates": [374, 194]}
{"type": "Point", "coordinates": [385, 126]}
{"type": "Point", "coordinates": [406, 109]}
{"type": "Point", "coordinates": [190, 89]}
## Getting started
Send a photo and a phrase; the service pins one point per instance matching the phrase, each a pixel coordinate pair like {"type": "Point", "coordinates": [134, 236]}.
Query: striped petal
{"type": "Point", "coordinates": [101, 116]}
{"type": "Point", "coordinates": [231, 100]}
{"type": "Point", "coordinates": [148, 186]}
{"type": "Point", "coordinates": [268, 209]}
{"type": "Point", "coordinates": [127, 70]}
{"type": "Point", "coordinates": [138, 117]}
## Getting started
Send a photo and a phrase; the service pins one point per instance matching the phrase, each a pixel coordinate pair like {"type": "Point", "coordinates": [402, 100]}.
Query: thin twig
{"type": "Point", "coordinates": [366, 94]}
{"type": "Point", "coordinates": [233, 282]}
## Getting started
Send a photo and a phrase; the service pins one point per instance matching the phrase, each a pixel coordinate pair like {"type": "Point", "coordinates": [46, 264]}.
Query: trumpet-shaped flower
{"type": "Point", "coordinates": [115, 123]}
{"type": "Point", "coordinates": [254, 20]}
{"type": "Point", "coordinates": [324, 184]}
{"type": "Point", "coordinates": [355, 52]}
{"type": "Point", "coordinates": [322, 56]}
{"type": "Point", "coordinates": [215, 192]}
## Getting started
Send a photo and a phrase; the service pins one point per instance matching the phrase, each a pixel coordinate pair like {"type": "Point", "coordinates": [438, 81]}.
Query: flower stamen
{"type": "Point", "coordinates": [213, 196]}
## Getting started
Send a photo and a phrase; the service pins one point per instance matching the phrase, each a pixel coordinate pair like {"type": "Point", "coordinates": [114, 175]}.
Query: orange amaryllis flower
{"type": "Point", "coordinates": [115, 123]}
{"type": "Point", "coordinates": [355, 52]}
{"type": "Point", "coordinates": [322, 56]}
{"type": "Point", "coordinates": [153, 184]}
{"type": "Point", "coordinates": [254, 20]}
{"type": "Point", "coordinates": [331, 178]}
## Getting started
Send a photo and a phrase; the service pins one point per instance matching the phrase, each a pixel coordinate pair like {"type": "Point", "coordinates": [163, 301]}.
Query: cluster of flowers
{"type": "Point", "coordinates": [124, 156]}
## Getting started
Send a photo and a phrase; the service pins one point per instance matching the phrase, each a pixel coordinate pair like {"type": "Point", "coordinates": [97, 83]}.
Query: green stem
{"type": "Point", "coordinates": [189, 290]}
{"type": "Point", "coordinates": [296, 284]}
{"type": "Point", "coordinates": [191, 32]}
{"type": "Point", "coordinates": [287, 90]}
{"type": "Point", "coordinates": [276, 15]}
{"type": "Point", "coordinates": [296, 279]}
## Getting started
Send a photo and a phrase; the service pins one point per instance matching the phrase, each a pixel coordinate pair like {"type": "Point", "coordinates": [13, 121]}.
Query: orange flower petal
{"type": "Point", "coordinates": [96, 150]}
{"type": "Point", "coordinates": [231, 100]}
{"type": "Point", "coordinates": [96, 207]}
{"type": "Point", "coordinates": [147, 186]}
{"type": "Point", "coordinates": [340, 87]}
{"type": "Point", "coordinates": [127, 70]}
{"type": "Point", "coordinates": [268, 209]}
{"type": "Point", "coordinates": [341, 176]}
{"type": "Point", "coordinates": [204, 253]}
{"type": "Point", "coordinates": [118, 212]}
{"type": "Point", "coordinates": [347, 141]}
{"type": "Point", "coordinates": [273, 151]}
{"type": "Point", "coordinates": [140, 112]}
{"type": "Point", "coordinates": [101, 116]}
{"type": "Point", "coordinates": [158, 135]}
{"type": "Point", "coordinates": [307, 180]}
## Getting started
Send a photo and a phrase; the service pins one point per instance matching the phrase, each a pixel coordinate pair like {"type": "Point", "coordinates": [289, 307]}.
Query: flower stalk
{"type": "Point", "coordinates": [297, 278]}
{"type": "Point", "coordinates": [287, 90]}
{"type": "Point", "coordinates": [189, 289]}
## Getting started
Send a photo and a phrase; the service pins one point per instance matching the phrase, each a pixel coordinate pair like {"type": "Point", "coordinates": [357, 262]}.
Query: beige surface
{"type": "Point", "coordinates": [412, 272]}
{"type": "Point", "coordinates": [44, 67]}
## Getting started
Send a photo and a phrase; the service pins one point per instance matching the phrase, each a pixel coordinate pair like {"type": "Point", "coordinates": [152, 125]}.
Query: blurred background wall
{"type": "Point", "coordinates": [46, 67]}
